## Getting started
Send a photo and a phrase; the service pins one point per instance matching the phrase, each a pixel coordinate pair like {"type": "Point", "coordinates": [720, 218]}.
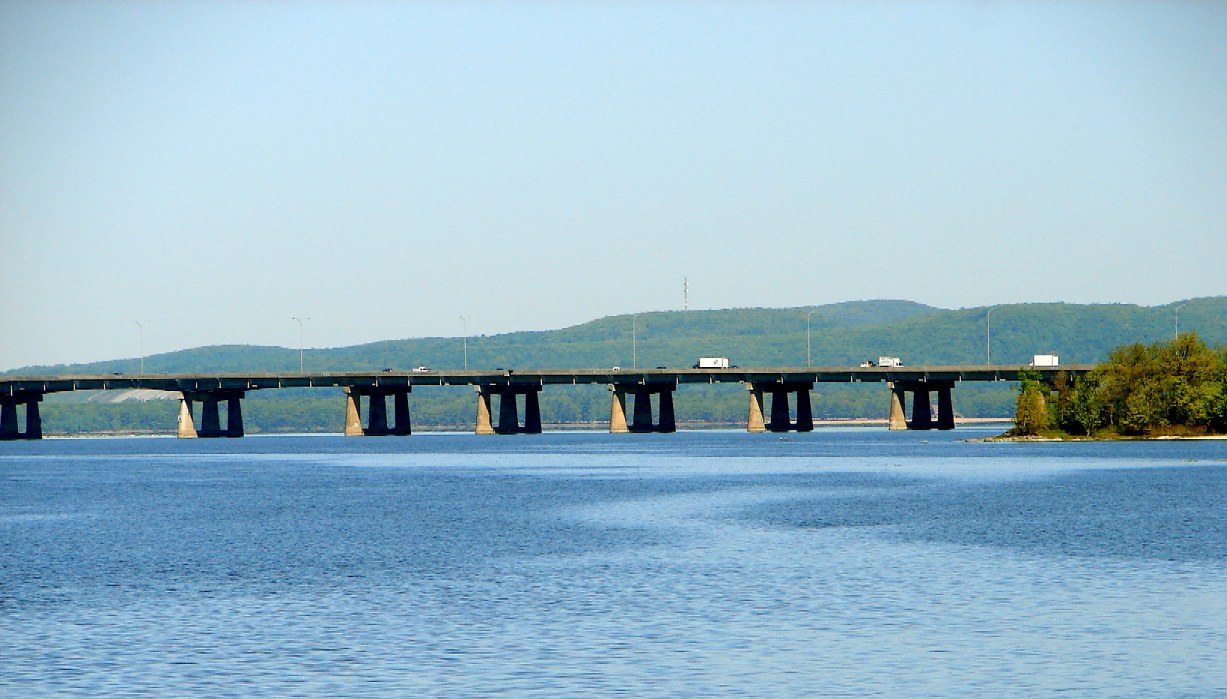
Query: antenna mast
{"type": "Point", "coordinates": [685, 293]}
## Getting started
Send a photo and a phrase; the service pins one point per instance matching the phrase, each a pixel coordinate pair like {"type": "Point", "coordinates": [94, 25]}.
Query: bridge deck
{"type": "Point", "coordinates": [249, 381]}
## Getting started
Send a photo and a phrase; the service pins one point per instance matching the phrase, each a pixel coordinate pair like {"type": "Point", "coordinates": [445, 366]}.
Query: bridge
{"type": "Point", "coordinates": [788, 389]}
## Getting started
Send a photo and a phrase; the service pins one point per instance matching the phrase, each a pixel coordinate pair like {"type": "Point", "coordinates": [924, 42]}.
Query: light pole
{"type": "Point", "coordinates": [988, 337]}
{"type": "Point", "coordinates": [141, 325]}
{"type": "Point", "coordinates": [809, 357]}
{"type": "Point", "coordinates": [465, 342]}
{"type": "Point", "coordinates": [634, 349]}
{"type": "Point", "coordinates": [1177, 337]}
{"type": "Point", "coordinates": [299, 321]}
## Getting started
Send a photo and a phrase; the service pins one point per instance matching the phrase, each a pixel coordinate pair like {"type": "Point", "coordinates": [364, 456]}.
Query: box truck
{"type": "Point", "coordinates": [1045, 360]}
{"type": "Point", "coordinates": [712, 363]}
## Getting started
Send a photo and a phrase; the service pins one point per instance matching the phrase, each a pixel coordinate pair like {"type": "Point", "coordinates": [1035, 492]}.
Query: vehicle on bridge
{"type": "Point", "coordinates": [712, 363]}
{"type": "Point", "coordinates": [1045, 360]}
{"type": "Point", "coordinates": [882, 362]}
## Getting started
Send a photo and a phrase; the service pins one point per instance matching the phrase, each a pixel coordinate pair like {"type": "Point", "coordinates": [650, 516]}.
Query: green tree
{"type": "Point", "coordinates": [1081, 411]}
{"type": "Point", "coordinates": [1031, 408]}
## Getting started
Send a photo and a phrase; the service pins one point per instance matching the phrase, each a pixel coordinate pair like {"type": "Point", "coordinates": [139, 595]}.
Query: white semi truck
{"type": "Point", "coordinates": [712, 363]}
{"type": "Point", "coordinates": [882, 361]}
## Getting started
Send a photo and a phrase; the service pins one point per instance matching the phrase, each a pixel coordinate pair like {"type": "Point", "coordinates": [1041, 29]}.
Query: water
{"type": "Point", "coordinates": [845, 562]}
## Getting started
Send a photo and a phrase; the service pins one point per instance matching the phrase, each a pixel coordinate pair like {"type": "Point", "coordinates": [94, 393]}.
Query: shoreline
{"type": "Point", "coordinates": [1157, 438]}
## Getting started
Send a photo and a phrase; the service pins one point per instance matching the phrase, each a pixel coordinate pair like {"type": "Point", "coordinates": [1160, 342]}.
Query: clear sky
{"type": "Point", "coordinates": [213, 169]}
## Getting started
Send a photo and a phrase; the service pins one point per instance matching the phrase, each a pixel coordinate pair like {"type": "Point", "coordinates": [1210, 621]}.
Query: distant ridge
{"type": "Point", "coordinates": [840, 333]}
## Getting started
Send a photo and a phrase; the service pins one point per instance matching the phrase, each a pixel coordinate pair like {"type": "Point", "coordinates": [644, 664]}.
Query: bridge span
{"type": "Point", "coordinates": [788, 388]}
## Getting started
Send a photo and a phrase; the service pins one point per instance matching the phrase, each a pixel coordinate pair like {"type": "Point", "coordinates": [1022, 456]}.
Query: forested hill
{"type": "Point", "coordinates": [840, 334]}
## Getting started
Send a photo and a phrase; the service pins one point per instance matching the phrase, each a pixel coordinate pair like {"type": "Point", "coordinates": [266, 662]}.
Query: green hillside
{"type": "Point", "coordinates": [840, 334]}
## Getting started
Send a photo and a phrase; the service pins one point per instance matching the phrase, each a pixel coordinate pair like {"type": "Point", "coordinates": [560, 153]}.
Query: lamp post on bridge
{"type": "Point", "coordinates": [300, 322]}
{"type": "Point", "coordinates": [809, 357]}
{"type": "Point", "coordinates": [141, 325]}
{"type": "Point", "coordinates": [988, 336]}
{"type": "Point", "coordinates": [464, 343]}
{"type": "Point", "coordinates": [634, 350]}
{"type": "Point", "coordinates": [1177, 333]}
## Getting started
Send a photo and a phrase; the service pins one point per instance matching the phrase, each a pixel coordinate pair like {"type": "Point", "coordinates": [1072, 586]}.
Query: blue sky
{"type": "Point", "coordinates": [211, 170]}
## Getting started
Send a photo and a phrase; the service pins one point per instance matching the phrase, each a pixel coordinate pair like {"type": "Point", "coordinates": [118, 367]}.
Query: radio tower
{"type": "Point", "coordinates": [685, 293]}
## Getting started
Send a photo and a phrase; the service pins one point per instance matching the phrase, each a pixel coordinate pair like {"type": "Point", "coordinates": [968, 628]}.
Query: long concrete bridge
{"type": "Point", "coordinates": [788, 389]}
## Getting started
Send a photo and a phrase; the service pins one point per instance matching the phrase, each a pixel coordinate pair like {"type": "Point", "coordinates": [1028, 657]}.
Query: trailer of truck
{"type": "Point", "coordinates": [712, 363]}
{"type": "Point", "coordinates": [1045, 360]}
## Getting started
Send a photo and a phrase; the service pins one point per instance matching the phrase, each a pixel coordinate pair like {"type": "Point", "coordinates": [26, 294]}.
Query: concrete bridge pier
{"type": "Point", "coordinates": [922, 406]}
{"type": "Point", "coordinates": [187, 424]}
{"type": "Point", "coordinates": [898, 397]}
{"type": "Point", "coordinates": [10, 427]}
{"type": "Point", "coordinates": [641, 418]}
{"type": "Point", "coordinates": [210, 415]}
{"type": "Point", "coordinates": [922, 410]}
{"type": "Point", "coordinates": [665, 420]}
{"type": "Point", "coordinates": [755, 422]}
{"type": "Point", "coordinates": [945, 406]}
{"type": "Point", "coordinates": [508, 410]}
{"type": "Point", "coordinates": [377, 411]}
{"type": "Point", "coordinates": [781, 413]}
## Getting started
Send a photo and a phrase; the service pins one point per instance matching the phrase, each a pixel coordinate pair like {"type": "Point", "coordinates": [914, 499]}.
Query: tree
{"type": "Point", "coordinates": [1031, 408]}
{"type": "Point", "coordinates": [1080, 411]}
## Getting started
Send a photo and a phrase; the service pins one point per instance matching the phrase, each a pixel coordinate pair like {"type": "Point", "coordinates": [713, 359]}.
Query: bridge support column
{"type": "Point", "coordinates": [8, 419]}
{"type": "Point", "coordinates": [945, 408]}
{"type": "Point", "coordinates": [898, 417]}
{"type": "Point", "coordinates": [922, 406]}
{"type": "Point", "coordinates": [755, 423]}
{"type": "Point", "coordinates": [210, 418]}
{"type": "Point", "coordinates": [508, 410]}
{"type": "Point", "coordinates": [377, 411]}
{"type": "Point", "coordinates": [922, 410]}
{"type": "Point", "coordinates": [34, 419]}
{"type": "Point", "coordinates": [353, 413]}
{"type": "Point", "coordinates": [641, 419]}
{"type": "Point", "coordinates": [781, 413]}
{"type": "Point", "coordinates": [9, 425]}
{"type": "Point", "coordinates": [400, 413]}
{"type": "Point", "coordinates": [377, 414]}
{"type": "Point", "coordinates": [234, 416]}
{"type": "Point", "coordinates": [484, 426]}
{"type": "Point", "coordinates": [187, 424]}
{"type": "Point", "coordinates": [665, 420]}
{"type": "Point", "coordinates": [508, 414]}
{"type": "Point", "coordinates": [532, 412]}
{"type": "Point", "coordinates": [617, 410]}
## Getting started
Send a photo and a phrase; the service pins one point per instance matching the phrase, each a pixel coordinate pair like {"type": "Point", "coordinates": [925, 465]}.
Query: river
{"type": "Point", "coordinates": [842, 562]}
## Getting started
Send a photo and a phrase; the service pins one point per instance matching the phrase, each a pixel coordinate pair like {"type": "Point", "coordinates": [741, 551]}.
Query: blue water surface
{"type": "Point", "coordinates": [843, 562]}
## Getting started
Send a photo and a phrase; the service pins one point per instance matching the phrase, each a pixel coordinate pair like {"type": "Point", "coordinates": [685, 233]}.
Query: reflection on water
{"type": "Point", "coordinates": [844, 562]}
